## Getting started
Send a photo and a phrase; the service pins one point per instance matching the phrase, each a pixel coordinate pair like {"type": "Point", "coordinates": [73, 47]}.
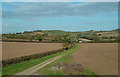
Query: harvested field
{"type": "Point", "coordinates": [101, 58]}
{"type": "Point", "coordinates": [17, 49]}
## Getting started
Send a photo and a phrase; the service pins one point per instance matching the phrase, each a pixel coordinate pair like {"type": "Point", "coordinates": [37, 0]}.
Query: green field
{"type": "Point", "coordinates": [58, 32]}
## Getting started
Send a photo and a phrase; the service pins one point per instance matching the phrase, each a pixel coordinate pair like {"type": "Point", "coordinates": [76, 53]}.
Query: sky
{"type": "Point", "coordinates": [67, 16]}
{"type": "Point", "coordinates": [60, 0]}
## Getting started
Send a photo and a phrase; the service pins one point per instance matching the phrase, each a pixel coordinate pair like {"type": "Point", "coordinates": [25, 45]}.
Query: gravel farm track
{"type": "Point", "coordinates": [17, 49]}
{"type": "Point", "coordinates": [101, 58]}
{"type": "Point", "coordinates": [32, 70]}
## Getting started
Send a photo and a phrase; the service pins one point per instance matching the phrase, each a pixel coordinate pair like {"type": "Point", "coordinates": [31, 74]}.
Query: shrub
{"type": "Point", "coordinates": [109, 41]}
{"type": "Point", "coordinates": [35, 56]}
{"type": "Point", "coordinates": [67, 46]}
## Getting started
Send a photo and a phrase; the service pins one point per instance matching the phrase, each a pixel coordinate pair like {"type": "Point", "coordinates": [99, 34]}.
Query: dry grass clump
{"type": "Point", "coordinates": [67, 68]}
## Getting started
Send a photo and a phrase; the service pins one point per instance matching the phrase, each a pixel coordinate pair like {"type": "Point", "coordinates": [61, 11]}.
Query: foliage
{"type": "Point", "coordinates": [70, 38]}
{"type": "Point", "coordinates": [15, 68]}
{"type": "Point", "coordinates": [28, 58]}
{"type": "Point", "coordinates": [57, 32]}
{"type": "Point", "coordinates": [60, 36]}
{"type": "Point", "coordinates": [39, 37]}
{"type": "Point", "coordinates": [67, 45]}
{"type": "Point", "coordinates": [109, 41]}
{"type": "Point", "coordinates": [110, 37]}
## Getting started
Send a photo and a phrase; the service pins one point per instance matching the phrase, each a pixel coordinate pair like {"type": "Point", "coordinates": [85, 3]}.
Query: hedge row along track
{"type": "Point", "coordinates": [32, 70]}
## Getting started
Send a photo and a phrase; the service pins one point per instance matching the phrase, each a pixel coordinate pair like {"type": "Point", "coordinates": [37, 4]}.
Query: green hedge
{"type": "Point", "coordinates": [109, 41]}
{"type": "Point", "coordinates": [35, 56]}
{"type": "Point", "coordinates": [29, 57]}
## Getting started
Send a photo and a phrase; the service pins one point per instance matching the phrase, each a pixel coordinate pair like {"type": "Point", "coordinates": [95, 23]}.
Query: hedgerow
{"type": "Point", "coordinates": [31, 57]}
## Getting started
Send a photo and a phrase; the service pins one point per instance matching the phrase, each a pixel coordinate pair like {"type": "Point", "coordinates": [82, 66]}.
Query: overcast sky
{"type": "Point", "coordinates": [68, 16]}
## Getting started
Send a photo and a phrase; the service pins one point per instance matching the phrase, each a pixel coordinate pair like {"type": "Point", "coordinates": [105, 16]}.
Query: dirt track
{"type": "Point", "coordinates": [17, 49]}
{"type": "Point", "coordinates": [32, 70]}
{"type": "Point", "coordinates": [101, 58]}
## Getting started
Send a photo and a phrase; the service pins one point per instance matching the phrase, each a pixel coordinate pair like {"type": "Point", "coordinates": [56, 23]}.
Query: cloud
{"type": "Point", "coordinates": [48, 9]}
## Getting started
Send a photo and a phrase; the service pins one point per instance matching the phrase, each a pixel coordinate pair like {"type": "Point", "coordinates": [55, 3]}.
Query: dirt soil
{"type": "Point", "coordinates": [101, 58]}
{"type": "Point", "coordinates": [17, 49]}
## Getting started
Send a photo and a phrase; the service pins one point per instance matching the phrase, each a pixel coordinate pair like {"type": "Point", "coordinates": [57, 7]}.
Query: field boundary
{"type": "Point", "coordinates": [16, 68]}
{"type": "Point", "coordinates": [33, 69]}
{"type": "Point", "coordinates": [65, 59]}
{"type": "Point", "coordinates": [29, 57]}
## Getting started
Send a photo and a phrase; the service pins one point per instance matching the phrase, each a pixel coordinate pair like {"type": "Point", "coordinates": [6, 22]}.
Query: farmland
{"type": "Point", "coordinates": [25, 64]}
{"type": "Point", "coordinates": [59, 36]}
{"type": "Point", "coordinates": [17, 49]}
{"type": "Point", "coordinates": [102, 58]}
{"type": "Point", "coordinates": [99, 53]}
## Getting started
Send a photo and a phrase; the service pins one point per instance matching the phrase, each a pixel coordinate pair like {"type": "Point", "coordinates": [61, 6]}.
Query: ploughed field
{"type": "Point", "coordinates": [101, 58]}
{"type": "Point", "coordinates": [17, 49]}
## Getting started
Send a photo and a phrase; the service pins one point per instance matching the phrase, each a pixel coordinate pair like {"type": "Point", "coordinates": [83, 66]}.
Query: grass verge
{"type": "Point", "coordinates": [66, 59]}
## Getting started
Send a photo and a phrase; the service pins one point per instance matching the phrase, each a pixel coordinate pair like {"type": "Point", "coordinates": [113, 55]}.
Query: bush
{"type": "Point", "coordinates": [67, 46]}
{"type": "Point", "coordinates": [109, 41]}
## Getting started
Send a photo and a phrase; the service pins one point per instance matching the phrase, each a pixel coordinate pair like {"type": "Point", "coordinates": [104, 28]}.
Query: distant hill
{"type": "Point", "coordinates": [57, 32]}
{"type": "Point", "coordinates": [58, 35]}
{"type": "Point", "coordinates": [60, 32]}
{"type": "Point", "coordinates": [113, 33]}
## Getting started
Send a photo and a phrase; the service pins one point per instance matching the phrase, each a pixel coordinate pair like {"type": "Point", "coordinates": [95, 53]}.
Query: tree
{"type": "Point", "coordinates": [45, 34]}
{"type": "Point", "coordinates": [30, 38]}
{"type": "Point", "coordinates": [39, 37]}
{"type": "Point", "coordinates": [66, 46]}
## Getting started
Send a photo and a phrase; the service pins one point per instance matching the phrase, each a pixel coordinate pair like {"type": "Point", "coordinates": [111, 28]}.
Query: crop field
{"type": "Point", "coordinates": [17, 49]}
{"type": "Point", "coordinates": [101, 58]}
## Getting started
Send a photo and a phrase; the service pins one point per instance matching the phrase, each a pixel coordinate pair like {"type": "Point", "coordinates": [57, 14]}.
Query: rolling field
{"type": "Point", "coordinates": [101, 58]}
{"type": "Point", "coordinates": [17, 49]}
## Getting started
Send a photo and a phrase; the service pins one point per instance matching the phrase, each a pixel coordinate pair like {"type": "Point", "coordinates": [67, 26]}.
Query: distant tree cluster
{"type": "Point", "coordinates": [58, 36]}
